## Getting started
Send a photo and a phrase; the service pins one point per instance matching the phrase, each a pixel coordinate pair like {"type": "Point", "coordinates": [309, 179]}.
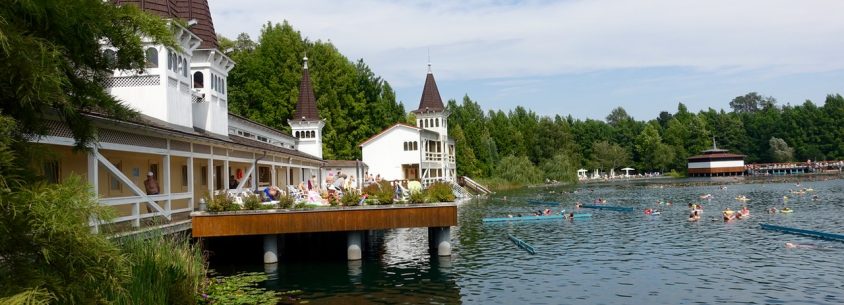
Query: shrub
{"type": "Point", "coordinates": [251, 202]}
{"type": "Point", "coordinates": [221, 203]}
{"type": "Point", "coordinates": [440, 192]}
{"type": "Point", "coordinates": [350, 198]}
{"type": "Point", "coordinates": [286, 201]}
{"type": "Point", "coordinates": [300, 205]}
{"type": "Point", "coordinates": [382, 191]}
{"type": "Point", "coordinates": [417, 197]}
{"type": "Point", "coordinates": [561, 167]}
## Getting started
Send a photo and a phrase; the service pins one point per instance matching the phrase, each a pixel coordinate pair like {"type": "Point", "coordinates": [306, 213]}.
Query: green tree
{"type": "Point", "coordinates": [518, 170]}
{"type": "Point", "coordinates": [53, 66]}
{"type": "Point", "coordinates": [752, 102]}
{"type": "Point", "coordinates": [560, 167]}
{"type": "Point", "coordinates": [780, 152]}
{"type": "Point", "coordinates": [608, 156]}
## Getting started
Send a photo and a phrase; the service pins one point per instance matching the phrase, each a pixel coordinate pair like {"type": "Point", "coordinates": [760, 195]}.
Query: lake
{"type": "Point", "coordinates": [612, 258]}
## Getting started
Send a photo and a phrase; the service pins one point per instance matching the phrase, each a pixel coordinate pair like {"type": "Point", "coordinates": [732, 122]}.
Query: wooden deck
{"type": "Point", "coordinates": [323, 220]}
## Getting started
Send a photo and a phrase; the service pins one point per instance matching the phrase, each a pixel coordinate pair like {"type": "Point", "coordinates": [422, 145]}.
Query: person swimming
{"type": "Point", "coordinates": [798, 246]}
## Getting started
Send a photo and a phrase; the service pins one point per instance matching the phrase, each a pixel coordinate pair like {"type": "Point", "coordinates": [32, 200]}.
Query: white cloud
{"type": "Point", "coordinates": [502, 39]}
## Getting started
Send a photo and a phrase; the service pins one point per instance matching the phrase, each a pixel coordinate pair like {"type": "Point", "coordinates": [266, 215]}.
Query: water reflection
{"type": "Point", "coordinates": [613, 258]}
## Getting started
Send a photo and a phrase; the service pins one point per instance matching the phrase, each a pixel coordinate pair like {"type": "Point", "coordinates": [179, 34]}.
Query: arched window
{"type": "Point", "coordinates": [110, 57]}
{"type": "Point", "coordinates": [415, 145]}
{"type": "Point", "coordinates": [169, 59]}
{"type": "Point", "coordinates": [185, 67]}
{"type": "Point", "coordinates": [405, 146]}
{"type": "Point", "coordinates": [152, 58]}
{"type": "Point", "coordinates": [425, 123]}
{"type": "Point", "coordinates": [297, 134]}
{"type": "Point", "coordinates": [313, 134]}
{"type": "Point", "coordinates": [198, 80]}
{"type": "Point", "coordinates": [438, 122]}
{"type": "Point", "coordinates": [224, 86]}
{"type": "Point", "coordinates": [213, 82]}
{"type": "Point", "coordinates": [178, 64]}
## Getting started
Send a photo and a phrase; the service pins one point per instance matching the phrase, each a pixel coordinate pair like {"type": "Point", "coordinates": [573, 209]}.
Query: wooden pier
{"type": "Point", "coordinates": [438, 217]}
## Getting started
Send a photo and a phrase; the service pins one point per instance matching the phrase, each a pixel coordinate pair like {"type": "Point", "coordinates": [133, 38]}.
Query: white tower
{"type": "Point", "coordinates": [432, 115]}
{"type": "Point", "coordinates": [306, 124]}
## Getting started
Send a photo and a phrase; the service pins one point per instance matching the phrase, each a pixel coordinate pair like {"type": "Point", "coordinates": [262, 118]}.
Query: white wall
{"type": "Point", "coordinates": [716, 164]}
{"type": "Point", "coordinates": [213, 114]}
{"type": "Point", "coordinates": [386, 154]}
{"type": "Point", "coordinates": [311, 146]}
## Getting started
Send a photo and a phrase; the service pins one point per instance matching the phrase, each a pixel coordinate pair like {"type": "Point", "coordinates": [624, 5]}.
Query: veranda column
{"type": "Point", "coordinates": [270, 249]}
{"type": "Point", "coordinates": [354, 242]}
{"type": "Point", "coordinates": [439, 239]}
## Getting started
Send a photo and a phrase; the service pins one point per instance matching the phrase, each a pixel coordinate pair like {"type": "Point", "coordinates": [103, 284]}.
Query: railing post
{"type": "Point", "coordinates": [136, 213]}
{"type": "Point", "coordinates": [93, 180]}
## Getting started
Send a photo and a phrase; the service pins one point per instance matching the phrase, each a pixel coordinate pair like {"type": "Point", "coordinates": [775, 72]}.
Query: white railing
{"type": "Point", "coordinates": [433, 156]}
{"type": "Point", "coordinates": [136, 216]}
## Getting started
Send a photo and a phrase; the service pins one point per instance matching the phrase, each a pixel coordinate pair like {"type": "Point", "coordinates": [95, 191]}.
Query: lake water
{"type": "Point", "coordinates": [612, 258]}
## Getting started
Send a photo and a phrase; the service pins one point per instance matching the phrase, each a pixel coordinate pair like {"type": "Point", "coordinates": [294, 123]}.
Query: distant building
{"type": "Point", "coordinates": [716, 162]}
{"type": "Point", "coordinates": [423, 152]}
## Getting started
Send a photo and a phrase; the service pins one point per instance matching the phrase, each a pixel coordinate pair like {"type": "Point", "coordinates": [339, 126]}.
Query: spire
{"type": "Point", "coordinates": [306, 109]}
{"type": "Point", "coordinates": [431, 100]}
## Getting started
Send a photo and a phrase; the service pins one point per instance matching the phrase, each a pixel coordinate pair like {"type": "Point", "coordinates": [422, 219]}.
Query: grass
{"type": "Point", "coordinates": [164, 270]}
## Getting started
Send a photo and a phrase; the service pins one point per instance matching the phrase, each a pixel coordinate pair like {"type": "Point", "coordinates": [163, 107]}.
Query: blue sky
{"type": "Point", "coordinates": [578, 57]}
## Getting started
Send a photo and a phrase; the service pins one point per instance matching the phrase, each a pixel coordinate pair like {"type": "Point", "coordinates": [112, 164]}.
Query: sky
{"type": "Point", "coordinates": [576, 57]}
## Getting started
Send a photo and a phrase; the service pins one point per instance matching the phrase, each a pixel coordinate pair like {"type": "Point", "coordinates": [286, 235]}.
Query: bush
{"type": "Point", "coordinates": [286, 202]}
{"type": "Point", "coordinates": [382, 191]}
{"type": "Point", "coordinates": [417, 197]}
{"type": "Point", "coordinates": [47, 250]}
{"type": "Point", "coordinates": [252, 202]}
{"type": "Point", "coordinates": [350, 198]}
{"type": "Point", "coordinates": [221, 203]}
{"type": "Point", "coordinates": [440, 192]}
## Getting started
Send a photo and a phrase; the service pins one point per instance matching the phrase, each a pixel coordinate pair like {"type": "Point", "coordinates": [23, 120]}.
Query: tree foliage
{"type": "Point", "coordinates": [780, 152]}
{"type": "Point", "coordinates": [264, 86]}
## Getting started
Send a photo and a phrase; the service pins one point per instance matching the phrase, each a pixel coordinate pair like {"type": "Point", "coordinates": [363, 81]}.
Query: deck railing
{"type": "Point", "coordinates": [165, 200]}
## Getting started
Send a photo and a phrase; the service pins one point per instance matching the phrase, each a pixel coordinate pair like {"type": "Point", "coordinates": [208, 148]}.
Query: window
{"type": "Point", "coordinates": [297, 134]}
{"type": "Point", "coordinates": [405, 146]}
{"type": "Point", "coordinates": [184, 175]}
{"type": "Point", "coordinates": [415, 145]}
{"type": "Point", "coordinates": [264, 175]}
{"type": "Point", "coordinates": [313, 134]}
{"type": "Point", "coordinates": [263, 139]}
{"type": "Point", "coordinates": [169, 59]}
{"type": "Point", "coordinates": [152, 58]}
{"type": "Point", "coordinates": [185, 67]}
{"type": "Point", "coordinates": [51, 171]}
{"type": "Point", "coordinates": [198, 80]}
{"type": "Point", "coordinates": [110, 57]}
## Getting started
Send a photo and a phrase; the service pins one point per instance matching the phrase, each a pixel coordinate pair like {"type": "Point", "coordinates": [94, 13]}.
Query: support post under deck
{"type": "Point", "coordinates": [439, 239]}
{"type": "Point", "coordinates": [270, 249]}
{"type": "Point", "coordinates": [353, 249]}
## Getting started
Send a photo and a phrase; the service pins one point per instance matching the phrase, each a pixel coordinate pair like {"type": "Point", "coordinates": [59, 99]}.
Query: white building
{"type": "Point", "coordinates": [184, 135]}
{"type": "Point", "coordinates": [423, 152]}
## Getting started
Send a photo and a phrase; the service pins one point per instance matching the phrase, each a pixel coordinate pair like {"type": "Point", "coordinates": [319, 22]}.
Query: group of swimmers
{"type": "Point", "coordinates": [730, 214]}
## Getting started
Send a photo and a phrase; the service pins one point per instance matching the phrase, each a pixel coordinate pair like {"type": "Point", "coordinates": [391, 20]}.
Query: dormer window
{"type": "Point", "coordinates": [152, 58]}
{"type": "Point", "coordinates": [110, 57]}
{"type": "Point", "coordinates": [198, 80]}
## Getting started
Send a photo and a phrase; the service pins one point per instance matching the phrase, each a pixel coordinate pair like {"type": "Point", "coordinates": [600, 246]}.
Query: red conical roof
{"type": "Point", "coordinates": [306, 106]}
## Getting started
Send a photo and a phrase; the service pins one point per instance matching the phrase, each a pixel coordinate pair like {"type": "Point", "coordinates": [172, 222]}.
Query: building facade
{"type": "Point", "coordinates": [423, 152]}
{"type": "Point", "coordinates": [715, 162]}
{"type": "Point", "coordinates": [184, 141]}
